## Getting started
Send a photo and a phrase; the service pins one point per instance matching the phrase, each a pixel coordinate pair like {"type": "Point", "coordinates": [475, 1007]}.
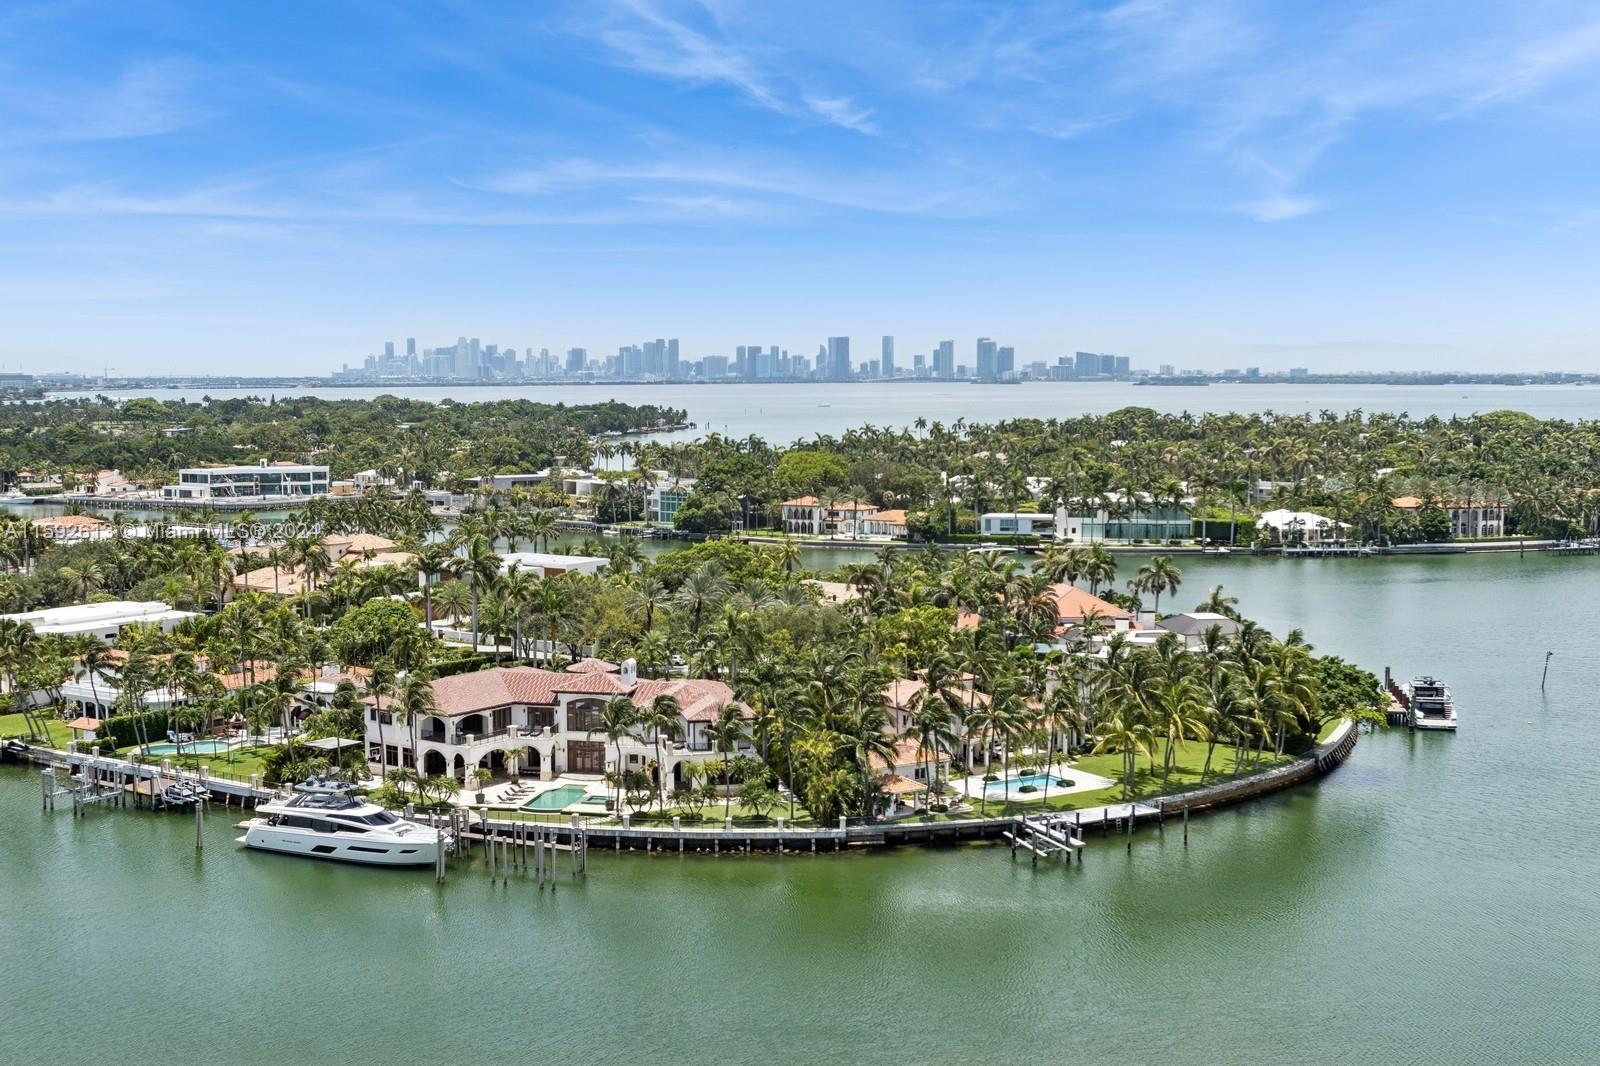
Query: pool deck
{"type": "Point", "coordinates": [973, 786]}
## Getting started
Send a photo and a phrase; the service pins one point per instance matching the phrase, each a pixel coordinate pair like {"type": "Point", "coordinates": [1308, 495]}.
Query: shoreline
{"type": "Point", "coordinates": [1324, 758]}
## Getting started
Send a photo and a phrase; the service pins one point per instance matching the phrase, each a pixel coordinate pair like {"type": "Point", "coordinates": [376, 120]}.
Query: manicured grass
{"type": "Point", "coordinates": [1146, 780]}
{"type": "Point", "coordinates": [15, 725]}
{"type": "Point", "coordinates": [245, 761]}
{"type": "Point", "coordinates": [712, 814]}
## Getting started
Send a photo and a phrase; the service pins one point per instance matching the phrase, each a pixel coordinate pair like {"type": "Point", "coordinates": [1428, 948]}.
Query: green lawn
{"type": "Point", "coordinates": [1146, 780]}
{"type": "Point", "coordinates": [14, 725]}
{"type": "Point", "coordinates": [712, 814]}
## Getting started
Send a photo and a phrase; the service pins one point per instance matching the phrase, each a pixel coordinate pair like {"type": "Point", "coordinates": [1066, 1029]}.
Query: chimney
{"type": "Point", "coordinates": [629, 674]}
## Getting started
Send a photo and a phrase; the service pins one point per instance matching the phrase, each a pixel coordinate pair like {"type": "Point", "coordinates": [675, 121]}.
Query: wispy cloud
{"type": "Point", "coordinates": [1279, 208]}
{"type": "Point", "coordinates": [841, 112]}
{"type": "Point", "coordinates": [699, 48]}
{"type": "Point", "coordinates": [144, 99]}
{"type": "Point", "coordinates": [1536, 64]}
{"type": "Point", "coordinates": [894, 194]}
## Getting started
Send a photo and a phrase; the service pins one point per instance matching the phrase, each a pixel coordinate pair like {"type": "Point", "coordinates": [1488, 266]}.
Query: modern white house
{"type": "Point", "coordinates": [552, 720]}
{"type": "Point", "coordinates": [1302, 527]}
{"type": "Point", "coordinates": [1021, 523]}
{"type": "Point", "coordinates": [104, 621]}
{"type": "Point", "coordinates": [665, 497]}
{"type": "Point", "coordinates": [1125, 518]}
{"type": "Point", "coordinates": [548, 564]}
{"type": "Point", "coordinates": [246, 482]}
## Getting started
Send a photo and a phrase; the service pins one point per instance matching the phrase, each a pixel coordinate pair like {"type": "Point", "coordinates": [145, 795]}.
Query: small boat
{"type": "Point", "coordinates": [1430, 706]}
{"type": "Point", "coordinates": [325, 820]}
{"type": "Point", "coordinates": [184, 794]}
{"type": "Point", "coordinates": [1216, 551]}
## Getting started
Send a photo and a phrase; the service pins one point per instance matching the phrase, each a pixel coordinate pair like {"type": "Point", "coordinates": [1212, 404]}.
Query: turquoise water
{"type": "Point", "coordinates": [198, 747]}
{"type": "Point", "coordinates": [1433, 901]}
{"type": "Point", "coordinates": [998, 789]}
{"type": "Point", "coordinates": [556, 799]}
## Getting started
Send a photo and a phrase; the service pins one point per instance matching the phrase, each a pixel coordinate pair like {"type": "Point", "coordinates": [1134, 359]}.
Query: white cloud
{"type": "Point", "coordinates": [1279, 208]}
{"type": "Point", "coordinates": [841, 112]}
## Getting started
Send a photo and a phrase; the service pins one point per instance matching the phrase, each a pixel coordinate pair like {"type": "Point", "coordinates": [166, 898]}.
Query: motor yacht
{"type": "Point", "coordinates": [1430, 704]}
{"type": "Point", "coordinates": [326, 821]}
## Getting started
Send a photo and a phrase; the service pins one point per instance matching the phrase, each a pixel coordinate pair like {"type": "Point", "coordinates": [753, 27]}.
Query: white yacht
{"type": "Point", "coordinates": [1430, 704]}
{"type": "Point", "coordinates": [323, 823]}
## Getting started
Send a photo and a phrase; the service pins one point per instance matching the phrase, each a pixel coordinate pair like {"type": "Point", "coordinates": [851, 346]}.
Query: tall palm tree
{"type": "Point", "coordinates": [725, 734]}
{"type": "Point", "coordinates": [380, 683]}
{"type": "Point", "coordinates": [1157, 576]}
{"type": "Point", "coordinates": [661, 719]}
{"type": "Point", "coordinates": [617, 719]}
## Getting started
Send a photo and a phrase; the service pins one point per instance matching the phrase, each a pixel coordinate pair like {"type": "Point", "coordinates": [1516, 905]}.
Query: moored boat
{"type": "Point", "coordinates": [1430, 704]}
{"type": "Point", "coordinates": [326, 821]}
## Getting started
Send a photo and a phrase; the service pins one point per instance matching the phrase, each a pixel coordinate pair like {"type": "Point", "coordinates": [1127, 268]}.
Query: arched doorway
{"type": "Point", "coordinates": [459, 769]}
{"type": "Point", "coordinates": [433, 763]}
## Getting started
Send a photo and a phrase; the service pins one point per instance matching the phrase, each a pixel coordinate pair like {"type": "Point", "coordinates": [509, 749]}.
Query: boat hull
{"type": "Point", "coordinates": [313, 845]}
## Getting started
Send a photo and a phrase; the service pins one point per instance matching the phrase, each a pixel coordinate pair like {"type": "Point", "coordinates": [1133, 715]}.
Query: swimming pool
{"type": "Point", "coordinates": [999, 789]}
{"type": "Point", "coordinates": [556, 799]}
{"type": "Point", "coordinates": [191, 747]}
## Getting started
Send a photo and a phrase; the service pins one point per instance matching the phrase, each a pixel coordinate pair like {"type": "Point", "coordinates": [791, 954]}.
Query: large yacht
{"type": "Point", "coordinates": [323, 822]}
{"type": "Point", "coordinates": [1431, 705]}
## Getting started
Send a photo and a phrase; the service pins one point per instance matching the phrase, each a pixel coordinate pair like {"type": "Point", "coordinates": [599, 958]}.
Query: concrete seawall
{"type": "Point", "coordinates": [1321, 760]}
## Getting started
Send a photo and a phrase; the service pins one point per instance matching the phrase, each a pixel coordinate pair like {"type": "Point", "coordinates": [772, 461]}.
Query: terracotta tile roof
{"type": "Point", "coordinates": [896, 517]}
{"type": "Point", "coordinates": [1074, 604]}
{"type": "Point", "coordinates": [361, 542]}
{"type": "Point", "coordinates": [908, 752]}
{"type": "Point", "coordinates": [896, 785]}
{"type": "Point", "coordinates": [593, 666]}
{"type": "Point", "coordinates": [699, 700]}
{"type": "Point", "coordinates": [801, 501]}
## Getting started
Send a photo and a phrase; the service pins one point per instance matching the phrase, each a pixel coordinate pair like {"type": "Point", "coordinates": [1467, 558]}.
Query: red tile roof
{"type": "Point", "coordinates": [1074, 604]}
{"type": "Point", "coordinates": [699, 700]}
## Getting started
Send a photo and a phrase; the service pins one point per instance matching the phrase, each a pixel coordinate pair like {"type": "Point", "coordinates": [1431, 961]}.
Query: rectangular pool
{"type": "Point", "coordinates": [556, 799]}
{"type": "Point", "coordinates": [191, 747]}
{"type": "Point", "coordinates": [1000, 789]}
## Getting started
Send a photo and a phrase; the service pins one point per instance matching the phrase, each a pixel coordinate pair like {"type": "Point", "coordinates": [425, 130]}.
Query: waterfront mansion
{"type": "Point", "coordinates": [552, 718]}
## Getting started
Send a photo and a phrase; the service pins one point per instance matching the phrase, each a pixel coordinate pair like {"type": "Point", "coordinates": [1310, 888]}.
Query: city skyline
{"type": "Point", "coordinates": [1208, 184]}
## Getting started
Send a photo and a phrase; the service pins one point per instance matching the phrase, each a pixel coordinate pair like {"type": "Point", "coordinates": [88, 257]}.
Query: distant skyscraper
{"type": "Point", "coordinates": [672, 358]}
{"type": "Point", "coordinates": [886, 364]}
{"type": "Point", "coordinates": [944, 360]}
{"type": "Point", "coordinates": [1122, 368]}
{"type": "Point", "coordinates": [411, 347]}
{"type": "Point", "coordinates": [986, 359]}
{"type": "Point", "coordinates": [839, 358]}
{"type": "Point", "coordinates": [1085, 364]}
{"type": "Point", "coordinates": [576, 358]}
{"type": "Point", "coordinates": [1005, 361]}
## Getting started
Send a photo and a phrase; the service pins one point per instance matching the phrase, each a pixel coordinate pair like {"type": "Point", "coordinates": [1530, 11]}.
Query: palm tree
{"type": "Point", "coordinates": [930, 727]}
{"type": "Point", "coordinates": [453, 600]}
{"type": "Point", "coordinates": [660, 719]}
{"type": "Point", "coordinates": [379, 684]}
{"type": "Point", "coordinates": [1159, 575]}
{"type": "Point", "coordinates": [617, 719]}
{"type": "Point", "coordinates": [416, 702]}
{"type": "Point", "coordinates": [725, 734]}
{"type": "Point", "coordinates": [868, 738]}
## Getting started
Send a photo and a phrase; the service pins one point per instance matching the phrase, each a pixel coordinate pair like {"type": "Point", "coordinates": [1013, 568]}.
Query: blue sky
{"type": "Point", "coordinates": [1206, 183]}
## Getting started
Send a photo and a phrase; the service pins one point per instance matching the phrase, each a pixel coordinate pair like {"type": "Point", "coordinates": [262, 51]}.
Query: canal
{"type": "Point", "coordinates": [1433, 901]}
